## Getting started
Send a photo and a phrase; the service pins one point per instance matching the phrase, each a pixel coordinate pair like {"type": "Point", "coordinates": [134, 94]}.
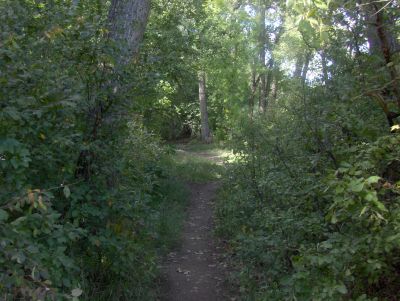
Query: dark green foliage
{"type": "Point", "coordinates": [89, 196]}
{"type": "Point", "coordinates": [310, 207]}
{"type": "Point", "coordinates": [310, 210]}
{"type": "Point", "coordinates": [86, 199]}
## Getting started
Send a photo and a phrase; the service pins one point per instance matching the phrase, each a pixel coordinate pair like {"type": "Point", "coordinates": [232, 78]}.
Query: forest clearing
{"type": "Point", "coordinates": [190, 150]}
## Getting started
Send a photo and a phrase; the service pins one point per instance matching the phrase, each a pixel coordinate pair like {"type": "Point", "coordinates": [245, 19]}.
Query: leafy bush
{"type": "Point", "coordinates": [311, 212]}
{"type": "Point", "coordinates": [85, 205]}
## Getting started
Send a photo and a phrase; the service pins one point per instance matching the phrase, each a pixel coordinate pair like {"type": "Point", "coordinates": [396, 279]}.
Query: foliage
{"type": "Point", "coordinates": [310, 206]}
{"type": "Point", "coordinates": [300, 228]}
{"type": "Point", "coordinates": [89, 197]}
{"type": "Point", "coordinates": [86, 206]}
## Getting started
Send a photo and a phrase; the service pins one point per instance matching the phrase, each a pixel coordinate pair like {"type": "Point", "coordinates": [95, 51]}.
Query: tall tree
{"type": "Point", "coordinates": [262, 44]}
{"type": "Point", "coordinates": [128, 19]}
{"type": "Point", "coordinates": [273, 66]}
{"type": "Point", "coordinates": [383, 45]}
{"type": "Point", "coordinates": [205, 128]}
{"type": "Point", "coordinates": [127, 22]}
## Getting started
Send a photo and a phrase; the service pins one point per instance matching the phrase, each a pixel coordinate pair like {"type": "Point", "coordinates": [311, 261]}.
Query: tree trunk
{"type": "Point", "coordinates": [270, 76]}
{"type": "Point", "coordinates": [274, 89]}
{"type": "Point", "coordinates": [388, 47]}
{"type": "Point", "coordinates": [324, 66]}
{"type": "Point", "coordinates": [299, 66]}
{"type": "Point", "coordinates": [383, 44]}
{"type": "Point", "coordinates": [377, 20]}
{"type": "Point", "coordinates": [127, 22]}
{"type": "Point", "coordinates": [305, 68]}
{"type": "Point", "coordinates": [205, 129]}
{"type": "Point", "coordinates": [273, 67]}
{"type": "Point", "coordinates": [254, 83]}
{"type": "Point", "coordinates": [262, 44]}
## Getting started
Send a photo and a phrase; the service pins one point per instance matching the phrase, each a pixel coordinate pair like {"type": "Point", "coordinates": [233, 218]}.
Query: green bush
{"type": "Point", "coordinates": [311, 212]}
{"type": "Point", "coordinates": [85, 205]}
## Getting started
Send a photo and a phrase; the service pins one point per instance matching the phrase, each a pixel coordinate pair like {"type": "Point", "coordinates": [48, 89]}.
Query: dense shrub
{"type": "Point", "coordinates": [85, 205]}
{"type": "Point", "coordinates": [311, 211]}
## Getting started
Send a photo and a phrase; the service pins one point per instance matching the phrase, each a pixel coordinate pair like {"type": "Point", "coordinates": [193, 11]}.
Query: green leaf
{"type": "Point", "coordinates": [379, 205]}
{"type": "Point", "coordinates": [67, 192]}
{"type": "Point", "coordinates": [373, 180]}
{"type": "Point", "coordinates": [356, 185]}
{"type": "Point", "coordinates": [289, 3]}
{"type": "Point", "coordinates": [324, 36]}
{"type": "Point", "coordinates": [321, 5]}
{"type": "Point", "coordinates": [334, 218]}
{"type": "Point", "coordinates": [76, 292]}
{"type": "Point", "coordinates": [342, 289]}
{"type": "Point", "coordinates": [363, 210]}
{"type": "Point", "coordinates": [32, 249]}
{"type": "Point", "coordinates": [305, 27]}
{"type": "Point", "coordinates": [3, 215]}
{"type": "Point", "coordinates": [371, 196]}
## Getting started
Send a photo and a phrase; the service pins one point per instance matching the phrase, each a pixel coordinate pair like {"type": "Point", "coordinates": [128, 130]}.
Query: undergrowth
{"type": "Point", "coordinates": [305, 223]}
{"type": "Point", "coordinates": [197, 162]}
{"type": "Point", "coordinates": [87, 201]}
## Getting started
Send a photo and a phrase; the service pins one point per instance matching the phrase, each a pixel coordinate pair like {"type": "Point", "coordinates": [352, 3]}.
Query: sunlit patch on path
{"type": "Point", "coordinates": [195, 271]}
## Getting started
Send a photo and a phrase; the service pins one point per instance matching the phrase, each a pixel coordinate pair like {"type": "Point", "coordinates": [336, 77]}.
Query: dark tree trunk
{"type": "Point", "coordinates": [273, 67]}
{"type": "Point", "coordinates": [299, 66]}
{"type": "Point", "coordinates": [324, 67]}
{"type": "Point", "coordinates": [262, 45]}
{"type": "Point", "coordinates": [127, 22]}
{"type": "Point", "coordinates": [254, 84]}
{"type": "Point", "coordinates": [305, 68]}
{"type": "Point", "coordinates": [205, 129]}
{"type": "Point", "coordinates": [383, 44]}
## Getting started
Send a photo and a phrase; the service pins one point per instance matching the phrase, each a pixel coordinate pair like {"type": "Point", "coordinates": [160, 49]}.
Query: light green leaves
{"type": "Point", "coordinates": [305, 26]}
{"type": "Point", "coordinates": [3, 215]}
{"type": "Point", "coordinates": [372, 180]}
{"type": "Point", "coordinates": [302, 6]}
{"type": "Point", "coordinates": [76, 292]}
{"type": "Point", "coordinates": [341, 289]}
{"type": "Point", "coordinates": [356, 185]}
{"type": "Point", "coordinates": [311, 21]}
{"type": "Point", "coordinates": [321, 4]}
{"type": "Point", "coordinates": [324, 35]}
{"type": "Point", "coordinates": [67, 191]}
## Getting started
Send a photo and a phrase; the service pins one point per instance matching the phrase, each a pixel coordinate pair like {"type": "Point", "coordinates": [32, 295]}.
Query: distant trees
{"type": "Point", "coordinates": [310, 208]}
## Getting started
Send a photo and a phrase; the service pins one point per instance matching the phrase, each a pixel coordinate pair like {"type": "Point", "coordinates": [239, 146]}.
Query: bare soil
{"type": "Point", "coordinates": [196, 272]}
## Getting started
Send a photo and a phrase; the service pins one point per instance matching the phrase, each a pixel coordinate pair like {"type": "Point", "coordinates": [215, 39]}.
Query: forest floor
{"type": "Point", "coordinates": [195, 271]}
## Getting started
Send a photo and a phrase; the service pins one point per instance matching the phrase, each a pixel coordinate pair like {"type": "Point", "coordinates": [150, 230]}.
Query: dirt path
{"type": "Point", "coordinates": [195, 272]}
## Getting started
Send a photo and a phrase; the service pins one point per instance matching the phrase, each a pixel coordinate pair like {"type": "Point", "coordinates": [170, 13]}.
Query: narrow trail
{"type": "Point", "coordinates": [195, 272]}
